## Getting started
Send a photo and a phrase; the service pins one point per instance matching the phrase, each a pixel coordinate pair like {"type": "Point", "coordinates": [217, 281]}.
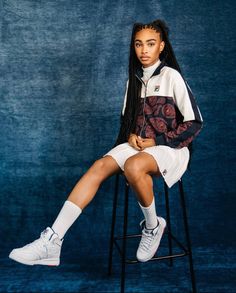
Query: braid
{"type": "Point", "coordinates": [128, 121]}
{"type": "Point", "coordinates": [167, 54]}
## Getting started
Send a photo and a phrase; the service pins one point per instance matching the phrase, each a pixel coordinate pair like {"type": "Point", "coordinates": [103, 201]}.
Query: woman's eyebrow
{"type": "Point", "coordinates": [145, 41]}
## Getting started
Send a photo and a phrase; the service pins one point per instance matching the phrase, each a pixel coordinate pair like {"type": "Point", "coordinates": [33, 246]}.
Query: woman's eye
{"type": "Point", "coordinates": [137, 45]}
{"type": "Point", "coordinates": [151, 44]}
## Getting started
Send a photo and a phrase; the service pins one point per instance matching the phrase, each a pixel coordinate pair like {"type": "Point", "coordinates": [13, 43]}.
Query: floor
{"type": "Point", "coordinates": [215, 273]}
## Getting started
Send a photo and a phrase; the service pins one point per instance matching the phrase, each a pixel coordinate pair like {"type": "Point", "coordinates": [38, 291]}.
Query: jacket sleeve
{"type": "Point", "coordinates": [187, 130]}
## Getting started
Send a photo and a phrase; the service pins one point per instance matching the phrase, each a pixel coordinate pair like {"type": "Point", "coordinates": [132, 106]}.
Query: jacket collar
{"type": "Point", "coordinates": [139, 71]}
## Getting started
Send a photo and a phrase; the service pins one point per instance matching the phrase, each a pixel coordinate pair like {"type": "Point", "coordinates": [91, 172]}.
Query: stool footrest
{"type": "Point", "coordinates": [133, 261]}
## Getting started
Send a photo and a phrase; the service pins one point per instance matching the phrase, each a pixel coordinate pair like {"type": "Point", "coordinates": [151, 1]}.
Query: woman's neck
{"type": "Point", "coordinates": [148, 71]}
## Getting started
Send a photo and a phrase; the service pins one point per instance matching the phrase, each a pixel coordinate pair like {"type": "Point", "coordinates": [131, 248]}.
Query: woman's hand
{"type": "Point", "coordinates": [145, 142]}
{"type": "Point", "coordinates": [133, 141]}
{"type": "Point", "coordinates": [140, 143]}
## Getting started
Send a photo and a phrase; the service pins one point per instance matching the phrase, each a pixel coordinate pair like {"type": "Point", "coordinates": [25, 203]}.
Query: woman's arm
{"type": "Point", "coordinates": [186, 131]}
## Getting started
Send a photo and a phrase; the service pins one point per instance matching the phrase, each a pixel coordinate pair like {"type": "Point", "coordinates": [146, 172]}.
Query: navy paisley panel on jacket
{"type": "Point", "coordinates": [168, 111]}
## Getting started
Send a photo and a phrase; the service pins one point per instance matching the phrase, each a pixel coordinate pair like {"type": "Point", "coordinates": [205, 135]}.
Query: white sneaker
{"type": "Point", "coordinates": [44, 251]}
{"type": "Point", "coordinates": [150, 240]}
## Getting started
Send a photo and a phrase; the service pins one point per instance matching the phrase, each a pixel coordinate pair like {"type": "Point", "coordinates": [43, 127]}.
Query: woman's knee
{"type": "Point", "coordinates": [102, 167]}
{"type": "Point", "coordinates": [132, 169]}
{"type": "Point", "coordinates": [98, 166]}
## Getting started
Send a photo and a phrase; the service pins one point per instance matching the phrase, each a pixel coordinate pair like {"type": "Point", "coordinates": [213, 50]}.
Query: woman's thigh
{"type": "Point", "coordinates": [142, 162]}
{"type": "Point", "coordinates": [121, 153]}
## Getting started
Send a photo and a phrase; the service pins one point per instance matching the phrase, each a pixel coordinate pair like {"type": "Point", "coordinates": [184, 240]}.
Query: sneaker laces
{"type": "Point", "coordinates": [39, 243]}
{"type": "Point", "coordinates": [148, 235]}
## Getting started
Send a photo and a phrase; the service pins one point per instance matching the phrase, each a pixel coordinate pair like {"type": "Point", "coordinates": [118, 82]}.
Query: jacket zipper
{"type": "Point", "coordinates": [144, 102]}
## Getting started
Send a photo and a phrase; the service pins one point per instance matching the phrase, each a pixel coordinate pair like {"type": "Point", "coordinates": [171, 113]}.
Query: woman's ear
{"type": "Point", "coordinates": [162, 46]}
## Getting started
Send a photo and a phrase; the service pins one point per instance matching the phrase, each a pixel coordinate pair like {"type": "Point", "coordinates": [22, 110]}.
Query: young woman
{"type": "Point", "coordinates": [159, 120]}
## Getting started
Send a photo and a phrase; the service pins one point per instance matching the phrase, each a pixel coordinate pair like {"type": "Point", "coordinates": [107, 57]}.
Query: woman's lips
{"type": "Point", "coordinates": [144, 58]}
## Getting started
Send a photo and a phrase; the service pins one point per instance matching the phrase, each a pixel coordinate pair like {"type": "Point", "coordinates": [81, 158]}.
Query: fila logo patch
{"type": "Point", "coordinates": [164, 172]}
{"type": "Point", "coordinates": [156, 89]}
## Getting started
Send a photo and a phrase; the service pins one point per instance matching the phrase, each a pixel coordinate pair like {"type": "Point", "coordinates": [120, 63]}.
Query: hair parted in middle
{"type": "Point", "coordinates": [167, 56]}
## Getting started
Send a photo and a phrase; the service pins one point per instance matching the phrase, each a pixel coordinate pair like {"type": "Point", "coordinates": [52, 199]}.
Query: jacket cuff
{"type": "Point", "coordinates": [160, 140]}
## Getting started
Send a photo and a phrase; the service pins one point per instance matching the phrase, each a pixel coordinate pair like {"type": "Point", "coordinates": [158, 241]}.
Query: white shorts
{"type": "Point", "coordinates": [172, 162]}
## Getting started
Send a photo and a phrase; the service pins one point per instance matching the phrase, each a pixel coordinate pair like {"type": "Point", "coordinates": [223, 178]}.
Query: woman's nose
{"type": "Point", "coordinates": [144, 49]}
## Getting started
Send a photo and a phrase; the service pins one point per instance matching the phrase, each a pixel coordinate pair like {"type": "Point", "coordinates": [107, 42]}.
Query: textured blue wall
{"type": "Point", "coordinates": [63, 68]}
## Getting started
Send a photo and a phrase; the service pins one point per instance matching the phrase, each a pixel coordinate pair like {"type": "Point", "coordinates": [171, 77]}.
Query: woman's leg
{"type": "Point", "coordinates": [47, 249]}
{"type": "Point", "coordinates": [83, 193]}
{"type": "Point", "coordinates": [138, 170]}
{"type": "Point", "coordinates": [87, 186]}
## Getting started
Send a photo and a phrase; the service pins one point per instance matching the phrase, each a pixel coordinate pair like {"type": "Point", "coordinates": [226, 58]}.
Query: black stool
{"type": "Point", "coordinates": [185, 250]}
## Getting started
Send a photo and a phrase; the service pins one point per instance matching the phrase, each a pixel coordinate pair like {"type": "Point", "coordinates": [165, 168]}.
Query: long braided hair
{"type": "Point", "coordinates": [128, 120]}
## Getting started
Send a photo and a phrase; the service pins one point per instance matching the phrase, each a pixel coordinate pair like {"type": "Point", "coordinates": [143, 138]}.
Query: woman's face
{"type": "Point", "coordinates": [148, 46]}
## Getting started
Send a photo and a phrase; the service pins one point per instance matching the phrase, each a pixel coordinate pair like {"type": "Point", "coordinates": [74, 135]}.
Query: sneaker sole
{"type": "Point", "coordinates": [46, 262]}
{"type": "Point", "coordinates": [163, 226]}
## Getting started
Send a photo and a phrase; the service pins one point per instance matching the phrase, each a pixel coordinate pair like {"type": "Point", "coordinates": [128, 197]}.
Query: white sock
{"type": "Point", "coordinates": [150, 215]}
{"type": "Point", "coordinates": [68, 214]}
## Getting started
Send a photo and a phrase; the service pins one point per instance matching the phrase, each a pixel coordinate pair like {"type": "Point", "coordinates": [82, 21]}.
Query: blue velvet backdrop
{"type": "Point", "coordinates": [63, 68]}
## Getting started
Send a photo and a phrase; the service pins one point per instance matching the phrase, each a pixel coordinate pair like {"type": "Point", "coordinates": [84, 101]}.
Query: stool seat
{"type": "Point", "coordinates": [120, 241]}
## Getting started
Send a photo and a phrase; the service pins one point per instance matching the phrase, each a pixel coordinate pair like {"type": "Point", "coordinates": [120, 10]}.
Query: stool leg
{"type": "Point", "coordinates": [113, 224]}
{"type": "Point", "coordinates": [168, 222]}
{"type": "Point", "coordinates": [187, 236]}
{"type": "Point", "coordinates": [122, 287]}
